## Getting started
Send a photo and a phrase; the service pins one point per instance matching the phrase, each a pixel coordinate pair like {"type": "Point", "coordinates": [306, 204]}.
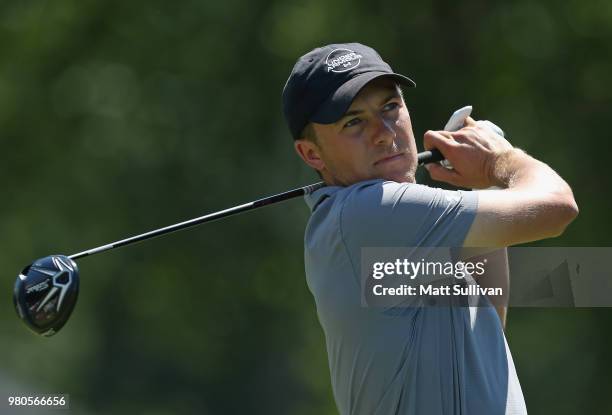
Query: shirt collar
{"type": "Point", "coordinates": [313, 199]}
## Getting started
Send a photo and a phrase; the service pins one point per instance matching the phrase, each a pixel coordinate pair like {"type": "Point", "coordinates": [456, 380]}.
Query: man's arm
{"type": "Point", "coordinates": [496, 275]}
{"type": "Point", "coordinates": [534, 203]}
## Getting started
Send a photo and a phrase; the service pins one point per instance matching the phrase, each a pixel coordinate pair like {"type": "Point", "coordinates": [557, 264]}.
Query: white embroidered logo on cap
{"type": "Point", "coordinates": [342, 60]}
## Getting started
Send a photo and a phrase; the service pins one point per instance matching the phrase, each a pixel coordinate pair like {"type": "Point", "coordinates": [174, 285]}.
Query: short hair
{"type": "Point", "coordinates": [309, 133]}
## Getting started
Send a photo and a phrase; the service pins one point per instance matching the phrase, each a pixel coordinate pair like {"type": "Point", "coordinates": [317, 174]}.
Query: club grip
{"type": "Point", "coordinates": [430, 156]}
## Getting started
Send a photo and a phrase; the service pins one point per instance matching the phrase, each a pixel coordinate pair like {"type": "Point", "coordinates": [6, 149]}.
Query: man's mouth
{"type": "Point", "coordinates": [390, 158]}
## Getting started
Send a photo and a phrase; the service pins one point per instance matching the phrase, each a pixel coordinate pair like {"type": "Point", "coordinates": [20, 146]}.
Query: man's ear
{"type": "Point", "coordinates": [310, 153]}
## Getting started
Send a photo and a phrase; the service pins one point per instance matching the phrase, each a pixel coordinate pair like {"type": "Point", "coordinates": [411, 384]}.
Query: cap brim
{"type": "Point", "coordinates": [339, 102]}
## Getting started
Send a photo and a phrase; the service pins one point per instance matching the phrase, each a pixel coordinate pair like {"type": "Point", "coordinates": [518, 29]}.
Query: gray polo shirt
{"type": "Point", "coordinates": [425, 361]}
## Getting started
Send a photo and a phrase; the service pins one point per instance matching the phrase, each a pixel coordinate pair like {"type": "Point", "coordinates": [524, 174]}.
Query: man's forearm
{"type": "Point", "coordinates": [515, 169]}
{"type": "Point", "coordinates": [535, 203]}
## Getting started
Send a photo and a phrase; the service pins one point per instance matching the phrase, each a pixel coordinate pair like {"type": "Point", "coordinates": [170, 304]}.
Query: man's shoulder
{"type": "Point", "coordinates": [382, 213]}
{"type": "Point", "coordinates": [373, 203]}
{"type": "Point", "coordinates": [385, 204]}
{"type": "Point", "coordinates": [371, 193]}
{"type": "Point", "coordinates": [386, 195]}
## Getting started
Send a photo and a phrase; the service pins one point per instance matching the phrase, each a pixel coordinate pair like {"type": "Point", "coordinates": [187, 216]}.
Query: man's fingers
{"type": "Point", "coordinates": [437, 139]}
{"type": "Point", "coordinates": [469, 122]}
{"type": "Point", "coordinates": [442, 174]}
{"type": "Point", "coordinates": [463, 136]}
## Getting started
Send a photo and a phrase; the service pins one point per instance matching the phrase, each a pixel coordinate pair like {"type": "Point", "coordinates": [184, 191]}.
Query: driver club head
{"type": "Point", "coordinates": [46, 292]}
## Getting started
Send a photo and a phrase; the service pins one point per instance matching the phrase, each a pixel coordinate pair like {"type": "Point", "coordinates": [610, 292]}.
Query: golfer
{"type": "Point", "coordinates": [349, 121]}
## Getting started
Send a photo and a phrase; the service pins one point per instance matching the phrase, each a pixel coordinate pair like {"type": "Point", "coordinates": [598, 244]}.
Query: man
{"type": "Point", "coordinates": [348, 118]}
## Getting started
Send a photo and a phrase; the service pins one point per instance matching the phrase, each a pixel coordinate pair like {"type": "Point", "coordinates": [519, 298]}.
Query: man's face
{"type": "Point", "coordinates": [373, 140]}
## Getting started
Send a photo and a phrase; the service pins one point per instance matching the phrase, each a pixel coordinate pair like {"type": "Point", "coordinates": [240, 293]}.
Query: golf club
{"type": "Point", "coordinates": [46, 291]}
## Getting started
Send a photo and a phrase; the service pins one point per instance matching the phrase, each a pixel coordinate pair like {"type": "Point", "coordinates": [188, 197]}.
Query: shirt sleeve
{"type": "Point", "coordinates": [384, 214]}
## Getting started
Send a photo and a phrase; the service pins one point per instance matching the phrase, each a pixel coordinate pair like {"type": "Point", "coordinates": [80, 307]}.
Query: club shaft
{"type": "Point", "coordinates": [423, 158]}
{"type": "Point", "coordinates": [203, 219]}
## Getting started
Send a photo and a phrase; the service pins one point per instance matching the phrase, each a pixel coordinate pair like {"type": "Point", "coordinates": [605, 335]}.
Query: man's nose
{"type": "Point", "coordinates": [383, 131]}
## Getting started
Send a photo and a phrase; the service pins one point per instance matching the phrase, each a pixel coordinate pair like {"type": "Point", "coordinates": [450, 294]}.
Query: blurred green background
{"type": "Point", "coordinates": [119, 117]}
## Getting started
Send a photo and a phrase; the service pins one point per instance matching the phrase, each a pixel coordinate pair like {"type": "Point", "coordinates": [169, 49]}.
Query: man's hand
{"type": "Point", "coordinates": [534, 203]}
{"type": "Point", "coordinates": [475, 152]}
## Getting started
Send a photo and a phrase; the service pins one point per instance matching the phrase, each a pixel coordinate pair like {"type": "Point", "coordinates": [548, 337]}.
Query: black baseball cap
{"type": "Point", "coordinates": [324, 82]}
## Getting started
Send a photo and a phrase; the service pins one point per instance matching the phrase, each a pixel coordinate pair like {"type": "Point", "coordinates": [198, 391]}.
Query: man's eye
{"type": "Point", "coordinates": [352, 122]}
{"type": "Point", "coordinates": [390, 106]}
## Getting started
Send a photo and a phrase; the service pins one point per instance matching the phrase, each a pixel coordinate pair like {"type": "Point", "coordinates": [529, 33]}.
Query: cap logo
{"type": "Point", "coordinates": [342, 60]}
